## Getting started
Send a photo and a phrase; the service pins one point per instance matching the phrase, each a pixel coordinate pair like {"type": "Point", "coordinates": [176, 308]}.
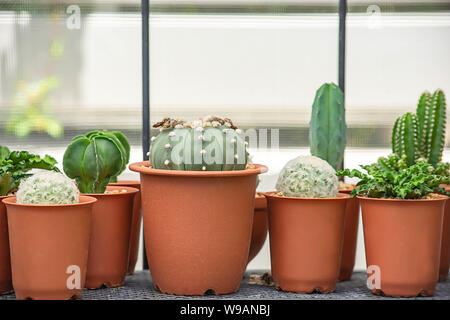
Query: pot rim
{"type": "Point", "coordinates": [83, 200]}
{"type": "Point", "coordinates": [444, 198]}
{"type": "Point", "coordinates": [4, 197]}
{"type": "Point", "coordinates": [142, 167]}
{"type": "Point", "coordinates": [125, 183]}
{"type": "Point", "coordinates": [340, 196]}
{"type": "Point", "coordinates": [130, 190]}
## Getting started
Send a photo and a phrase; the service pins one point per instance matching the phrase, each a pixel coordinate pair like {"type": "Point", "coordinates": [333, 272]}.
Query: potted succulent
{"type": "Point", "coordinates": [306, 226]}
{"type": "Point", "coordinates": [92, 160]}
{"type": "Point", "coordinates": [49, 226]}
{"type": "Point", "coordinates": [14, 166]}
{"type": "Point", "coordinates": [422, 136]}
{"type": "Point", "coordinates": [402, 210]}
{"type": "Point", "coordinates": [327, 139]}
{"type": "Point", "coordinates": [198, 194]}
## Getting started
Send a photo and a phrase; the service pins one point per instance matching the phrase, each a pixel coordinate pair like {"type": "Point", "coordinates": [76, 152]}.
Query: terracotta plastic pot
{"type": "Point", "coordinates": [445, 244]}
{"type": "Point", "coordinates": [135, 223]}
{"type": "Point", "coordinates": [260, 226]}
{"type": "Point", "coordinates": [403, 242]}
{"type": "Point", "coordinates": [350, 237]}
{"type": "Point", "coordinates": [110, 238]}
{"type": "Point", "coordinates": [49, 248]}
{"type": "Point", "coordinates": [5, 262]}
{"type": "Point", "coordinates": [306, 237]}
{"type": "Point", "coordinates": [197, 227]}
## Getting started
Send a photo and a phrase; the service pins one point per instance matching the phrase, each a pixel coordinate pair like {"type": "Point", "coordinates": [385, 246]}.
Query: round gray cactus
{"type": "Point", "coordinates": [47, 188]}
{"type": "Point", "coordinates": [308, 177]}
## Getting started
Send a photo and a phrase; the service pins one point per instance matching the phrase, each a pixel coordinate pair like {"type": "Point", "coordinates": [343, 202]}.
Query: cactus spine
{"type": "Point", "coordinates": [208, 144]}
{"type": "Point", "coordinates": [327, 133]}
{"type": "Point", "coordinates": [429, 134]}
{"type": "Point", "coordinates": [404, 137]}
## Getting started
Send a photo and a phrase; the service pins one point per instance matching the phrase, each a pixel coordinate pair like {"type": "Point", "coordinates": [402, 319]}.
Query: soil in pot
{"type": "Point", "coordinates": [306, 237]}
{"type": "Point", "coordinates": [49, 248]}
{"type": "Point", "coordinates": [197, 227]}
{"type": "Point", "coordinates": [110, 237]}
{"type": "Point", "coordinates": [350, 236]}
{"type": "Point", "coordinates": [5, 262]}
{"type": "Point", "coordinates": [403, 241]}
{"type": "Point", "coordinates": [260, 226]}
{"type": "Point", "coordinates": [135, 223]}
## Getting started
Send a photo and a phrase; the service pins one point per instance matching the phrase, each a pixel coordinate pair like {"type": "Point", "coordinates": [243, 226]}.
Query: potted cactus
{"type": "Point", "coordinates": [198, 194]}
{"type": "Point", "coordinates": [402, 210]}
{"type": "Point", "coordinates": [14, 166]}
{"type": "Point", "coordinates": [49, 226]}
{"type": "Point", "coordinates": [93, 160]}
{"type": "Point", "coordinates": [306, 226]}
{"type": "Point", "coordinates": [327, 138]}
{"type": "Point", "coordinates": [422, 136]}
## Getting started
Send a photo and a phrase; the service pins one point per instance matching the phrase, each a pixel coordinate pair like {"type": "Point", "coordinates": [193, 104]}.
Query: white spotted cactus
{"type": "Point", "coordinates": [47, 188]}
{"type": "Point", "coordinates": [308, 177]}
{"type": "Point", "coordinates": [208, 144]}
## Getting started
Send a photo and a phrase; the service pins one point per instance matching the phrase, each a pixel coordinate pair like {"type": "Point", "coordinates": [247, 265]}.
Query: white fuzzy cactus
{"type": "Point", "coordinates": [308, 177]}
{"type": "Point", "coordinates": [47, 188]}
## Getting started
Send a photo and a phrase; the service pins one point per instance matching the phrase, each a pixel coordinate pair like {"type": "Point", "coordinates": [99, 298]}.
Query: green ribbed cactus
{"type": "Point", "coordinates": [422, 135]}
{"type": "Point", "coordinates": [327, 133]}
{"type": "Point", "coordinates": [405, 137]}
{"type": "Point", "coordinates": [208, 144]}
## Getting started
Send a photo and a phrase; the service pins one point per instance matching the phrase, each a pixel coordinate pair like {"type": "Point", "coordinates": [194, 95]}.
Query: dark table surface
{"type": "Point", "coordinates": [139, 287]}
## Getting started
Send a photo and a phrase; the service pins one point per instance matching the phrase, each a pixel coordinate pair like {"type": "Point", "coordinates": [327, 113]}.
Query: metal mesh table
{"type": "Point", "coordinates": [140, 287]}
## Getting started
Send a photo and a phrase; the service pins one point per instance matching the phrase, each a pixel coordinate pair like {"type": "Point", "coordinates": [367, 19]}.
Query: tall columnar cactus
{"type": "Point", "coordinates": [405, 138]}
{"type": "Point", "coordinates": [208, 144]}
{"type": "Point", "coordinates": [94, 159]}
{"type": "Point", "coordinates": [308, 177]}
{"type": "Point", "coordinates": [429, 133]}
{"type": "Point", "coordinates": [327, 133]}
{"type": "Point", "coordinates": [431, 114]}
{"type": "Point", "coordinates": [47, 188]}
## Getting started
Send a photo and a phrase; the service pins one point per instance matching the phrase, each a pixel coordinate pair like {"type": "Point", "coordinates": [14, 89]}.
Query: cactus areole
{"type": "Point", "coordinates": [327, 133]}
{"type": "Point", "coordinates": [207, 144]}
{"type": "Point", "coordinates": [95, 158]}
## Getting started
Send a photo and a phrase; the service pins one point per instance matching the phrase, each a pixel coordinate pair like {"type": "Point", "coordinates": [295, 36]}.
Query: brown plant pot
{"type": "Point", "coordinates": [135, 223]}
{"type": "Point", "coordinates": [306, 237]}
{"type": "Point", "coordinates": [350, 237]}
{"type": "Point", "coordinates": [5, 261]}
{"type": "Point", "coordinates": [45, 241]}
{"type": "Point", "coordinates": [260, 226]}
{"type": "Point", "coordinates": [403, 239]}
{"type": "Point", "coordinates": [197, 227]}
{"type": "Point", "coordinates": [445, 244]}
{"type": "Point", "coordinates": [110, 238]}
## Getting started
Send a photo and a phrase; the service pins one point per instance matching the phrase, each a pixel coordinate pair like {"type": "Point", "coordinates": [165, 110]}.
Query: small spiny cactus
{"type": "Point", "coordinates": [208, 144]}
{"type": "Point", "coordinates": [308, 177]}
{"type": "Point", "coordinates": [47, 188]}
{"type": "Point", "coordinates": [405, 137]}
{"type": "Point", "coordinates": [327, 133]}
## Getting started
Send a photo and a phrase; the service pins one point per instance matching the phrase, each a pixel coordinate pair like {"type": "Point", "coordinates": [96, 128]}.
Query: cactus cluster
{"type": "Point", "coordinates": [207, 144]}
{"type": "Point", "coordinates": [96, 159]}
{"type": "Point", "coordinates": [422, 135]}
{"type": "Point", "coordinates": [327, 133]}
{"type": "Point", "coordinates": [47, 188]}
{"type": "Point", "coordinates": [308, 177]}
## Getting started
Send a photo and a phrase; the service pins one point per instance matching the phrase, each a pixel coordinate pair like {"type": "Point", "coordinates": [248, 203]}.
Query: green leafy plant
{"type": "Point", "coordinates": [15, 165]}
{"type": "Point", "coordinates": [95, 158]}
{"type": "Point", "coordinates": [392, 178]}
{"type": "Point", "coordinates": [208, 144]}
{"type": "Point", "coordinates": [47, 188]}
{"type": "Point", "coordinates": [31, 110]}
{"type": "Point", "coordinates": [422, 135]}
{"type": "Point", "coordinates": [308, 177]}
{"type": "Point", "coordinates": [327, 133]}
